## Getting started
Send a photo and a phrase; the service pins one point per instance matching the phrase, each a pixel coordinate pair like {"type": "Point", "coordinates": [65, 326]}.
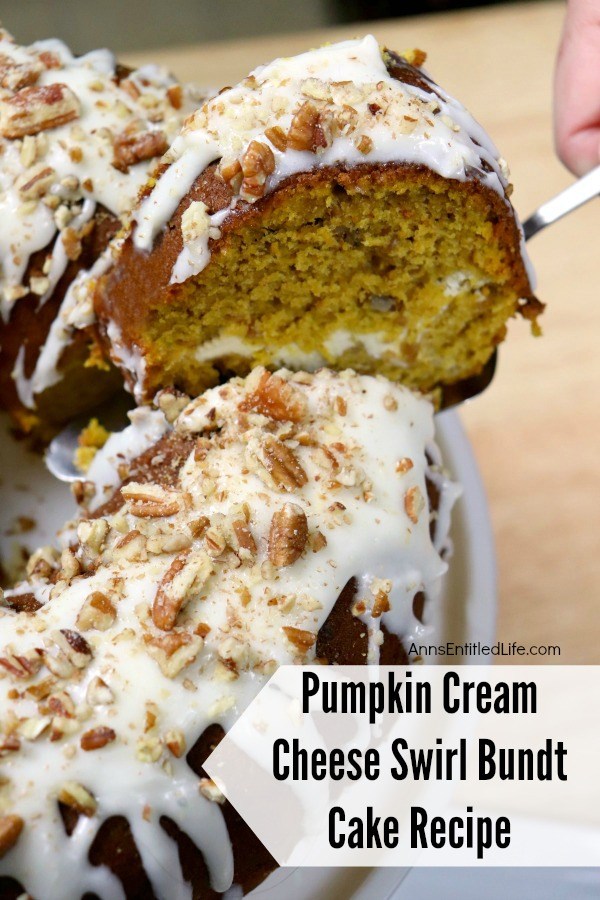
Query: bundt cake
{"type": "Point", "coordinates": [336, 208]}
{"type": "Point", "coordinates": [78, 136]}
{"type": "Point", "coordinates": [280, 519]}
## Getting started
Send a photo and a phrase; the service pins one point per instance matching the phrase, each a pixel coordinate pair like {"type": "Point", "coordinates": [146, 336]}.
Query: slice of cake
{"type": "Point", "coordinates": [78, 137]}
{"type": "Point", "coordinates": [281, 519]}
{"type": "Point", "coordinates": [335, 208]}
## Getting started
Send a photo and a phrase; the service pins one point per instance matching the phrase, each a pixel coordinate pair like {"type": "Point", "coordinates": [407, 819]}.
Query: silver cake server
{"type": "Point", "coordinates": [578, 193]}
{"type": "Point", "coordinates": [61, 452]}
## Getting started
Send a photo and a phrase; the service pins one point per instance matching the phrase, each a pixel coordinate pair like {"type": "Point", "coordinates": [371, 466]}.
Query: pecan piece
{"type": "Point", "coordinates": [34, 109]}
{"type": "Point", "coordinates": [9, 743]}
{"type": "Point", "coordinates": [299, 637]}
{"type": "Point", "coordinates": [98, 692]}
{"type": "Point", "coordinates": [74, 646]}
{"type": "Point", "coordinates": [278, 465]}
{"type": "Point", "coordinates": [381, 604]}
{"type": "Point", "coordinates": [78, 798]}
{"type": "Point", "coordinates": [23, 665]}
{"type": "Point", "coordinates": [365, 144]}
{"type": "Point", "coordinates": [96, 738]}
{"type": "Point", "coordinates": [244, 537]}
{"type": "Point", "coordinates": [174, 651]}
{"type": "Point", "coordinates": [288, 535]}
{"type": "Point", "coordinates": [306, 131]}
{"type": "Point", "coordinates": [187, 573]}
{"type": "Point", "coordinates": [231, 173]}
{"type": "Point", "coordinates": [175, 742]}
{"type": "Point", "coordinates": [275, 398]}
{"type": "Point", "coordinates": [257, 164]}
{"type": "Point", "coordinates": [97, 612]}
{"type": "Point", "coordinates": [129, 149]}
{"type": "Point", "coordinates": [10, 831]}
{"type": "Point", "coordinates": [151, 500]}
{"type": "Point", "coordinates": [413, 504]}
{"type": "Point", "coordinates": [175, 96]}
{"type": "Point", "coordinates": [14, 75]}
{"type": "Point", "coordinates": [36, 182]}
{"type": "Point", "coordinates": [210, 791]}
{"type": "Point", "coordinates": [277, 136]}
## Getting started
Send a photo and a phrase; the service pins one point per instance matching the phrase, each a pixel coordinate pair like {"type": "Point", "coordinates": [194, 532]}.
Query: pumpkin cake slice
{"type": "Point", "coordinates": [336, 208]}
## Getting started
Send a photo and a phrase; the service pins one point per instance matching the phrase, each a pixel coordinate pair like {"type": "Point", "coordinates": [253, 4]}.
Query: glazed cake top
{"type": "Point", "coordinates": [75, 133]}
{"type": "Point", "coordinates": [342, 104]}
{"type": "Point", "coordinates": [177, 598]}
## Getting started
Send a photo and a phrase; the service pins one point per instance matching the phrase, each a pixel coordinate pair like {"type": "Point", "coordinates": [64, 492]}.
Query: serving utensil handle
{"type": "Point", "coordinates": [571, 198]}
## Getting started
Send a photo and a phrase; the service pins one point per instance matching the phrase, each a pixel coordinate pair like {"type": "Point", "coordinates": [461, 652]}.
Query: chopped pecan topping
{"type": "Point", "coordinates": [175, 742]}
{"type": "Point", "coordinates": [14, 75]}
{"type": "Point", "coordinates": [215, 541]}
{"type": "Point", "coordinates": [171, 403]}
{"type": "Point", "coordinates": [258, 160]}
{"type": "Point", "coordinates": [381, 604]}
{"type": "Point", "coordinates": [9, 743]}
{"type": "Point", "coordinates": [404, 465]}
{"type": "Point", "coordinates": [175, 96]}
{"type": "Point", "coordinates": [98, 692]}
{"type": "Point", "coordinates": [306, 131]}
{"type": "Point", "coordinates": [77, 797]}
{"type": "Point", "coordinates": [174, 651]}
{"type": "Point", "coordinates": [231, 173]}
{"type": "Point", "coordinates": [98, 612]}
{"type": "Point", "coordinates": [198, 526]}
{"type": "Point", "coordinates": [243, 536]}
{"type": "Point", "coordinates": [74, 646]}
{"type": "Point", "coordinates": [35, 182]}
{"type": "Point", "coordinates": [69, 565]}
{"type": "Point", "coordinates": [10, 830]}
{"type": "Point", "coordinates": [131, 547]}
{"type": "Point", "coordinates": [414, 504]}
{"type": "Point", "coordinates": [210, 790]}
{"type": "Point", "coordinates": [34, 109]}
{"type": "Point", "coordinates": [288, 535]}
{"type": "Point", "coordinates": [49, 59]}
{"type": "Point", "coordinates": [151, 500]}
{"type": "Point", "coordinates": [92, 534]}
{"type": "Point", "coordinates": [275, 398]}
{"type": "Point", "coordinates": [130, 149]}
{"type": "Point", "coordinates": [186, 574]}
{"type": "Point", "coordinates": [97, 738]}
{"type": "Point", "coordinates": [278, 137]}
{"type": "Point", "coordinates": [21, 665]}
{"type": "Point", "coordinates": [277, 464]}
{"type": "Point", "coordinates": [415, 57]}
{"type": "Point", "coordinates": [299, 637]}
{"type": "Point", "coordinates": [365, 144]}
{"type": "Point", "coordinates": [341, 407]}
{"type": "Point", "coordinates": [317, 541]}
{"type": "Point", "coordinates": [257, 164]}
{"type": "Point", "coordinates": [59, 704]}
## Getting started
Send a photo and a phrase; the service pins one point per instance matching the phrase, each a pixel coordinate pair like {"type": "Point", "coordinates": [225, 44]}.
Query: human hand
{"type": "Point", "coordinates": [577, 88]}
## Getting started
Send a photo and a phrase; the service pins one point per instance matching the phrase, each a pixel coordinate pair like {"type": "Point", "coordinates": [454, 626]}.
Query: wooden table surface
{"type": "Point", "coordinates": [536, 431]}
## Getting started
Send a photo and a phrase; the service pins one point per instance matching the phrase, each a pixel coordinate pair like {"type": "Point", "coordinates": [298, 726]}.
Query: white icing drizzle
{"type": "Point", "coordinates": [147, 427]}
{"type": "Point", "coordinates": [77, 159]}
{"type": "Point", "coordinates": [128, 357]}
{"type": "Point", "coordinates": [245, 600]}
{"type": "Point", "coordinates": [75, 313]}
{"type": "Point", "coordinates": [410, 125]}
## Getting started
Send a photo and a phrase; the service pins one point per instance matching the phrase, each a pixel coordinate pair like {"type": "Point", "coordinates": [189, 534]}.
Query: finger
{"type": "Point", "coordinates": [577, 88]}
